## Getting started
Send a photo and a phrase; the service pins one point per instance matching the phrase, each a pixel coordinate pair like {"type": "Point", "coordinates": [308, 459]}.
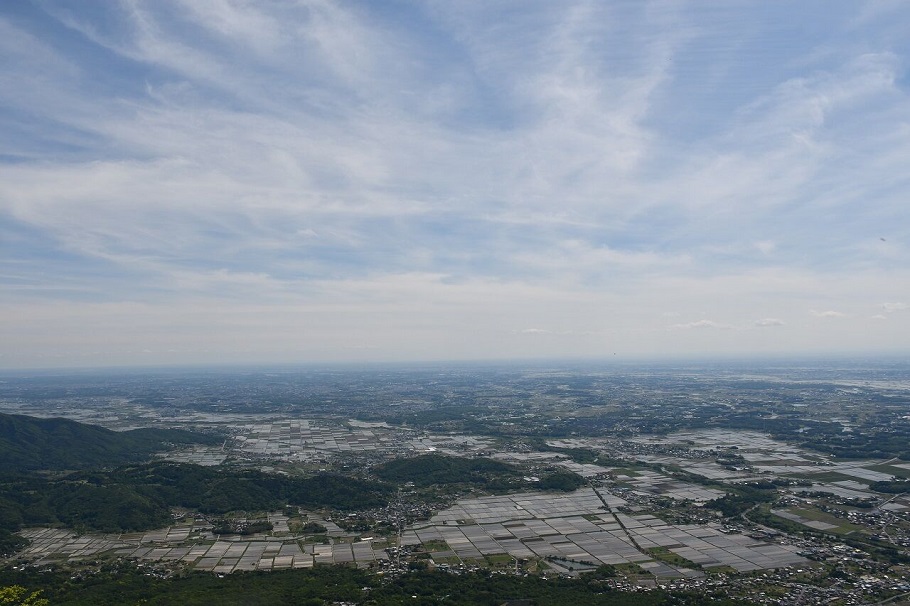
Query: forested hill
{"type": "Point", "coordinates": [29, 443]}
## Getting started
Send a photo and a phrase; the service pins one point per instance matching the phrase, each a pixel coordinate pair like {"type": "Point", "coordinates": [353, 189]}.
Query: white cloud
{"type": "Point", "coordinates": [702, 324]}
{"type": "Point", "coordinates": [766, 247]}
{"type": "Point", "coordinates": [769, 322]}
{"type": "Point", "coordinates": [493, 165]}
{"type": "Point", "coordinates": [827, 314]}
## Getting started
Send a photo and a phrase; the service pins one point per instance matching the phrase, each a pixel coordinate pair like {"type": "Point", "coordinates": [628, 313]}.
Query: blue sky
{"type": "Point", "coordinates": [217, 181]}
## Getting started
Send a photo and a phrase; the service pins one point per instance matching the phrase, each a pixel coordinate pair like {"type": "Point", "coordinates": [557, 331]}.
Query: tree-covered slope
{"type": "Point", "coordinates": [29, 443]}
{"type": "Point", "coordinates": [334, 585]}
{"type": "Point", "coordinates": [139, 497]}
{"type": "Point", "coordinates": [425, 470]}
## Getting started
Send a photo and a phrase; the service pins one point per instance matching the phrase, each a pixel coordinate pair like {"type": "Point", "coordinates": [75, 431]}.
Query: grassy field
{"type": "Point", "coordinates": [668, 557]}
{"type": "Point", "coordinates": [435, 546]}
{"type": "Point", "coordinates": [811, 514]}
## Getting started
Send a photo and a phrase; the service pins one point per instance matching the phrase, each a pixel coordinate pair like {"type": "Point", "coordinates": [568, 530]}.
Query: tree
{"type": "Point", "coordinates": [16, 595]}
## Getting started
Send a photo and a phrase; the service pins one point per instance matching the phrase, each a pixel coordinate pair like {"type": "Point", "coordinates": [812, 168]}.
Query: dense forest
{"type": "Point", "coordinates": [335, 584]}
{"type": "Point", "coordinates": [489, 474]}
{"type": "Point", "coordinates": [429, 469]}
{"type": "Point", "coordinates": [106, 489]}
{"type": "Point", "coordinates": [29, 443]}
{"type": "Point", "coordinates": [139, 497]}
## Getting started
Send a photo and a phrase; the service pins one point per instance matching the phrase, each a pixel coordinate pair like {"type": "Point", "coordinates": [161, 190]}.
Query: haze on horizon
{"type": "Point", "coordinates": [222, 181]}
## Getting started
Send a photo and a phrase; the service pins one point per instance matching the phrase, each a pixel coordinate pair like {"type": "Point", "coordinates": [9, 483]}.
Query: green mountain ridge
{"type": "Point", "coordinates": [30, 444]}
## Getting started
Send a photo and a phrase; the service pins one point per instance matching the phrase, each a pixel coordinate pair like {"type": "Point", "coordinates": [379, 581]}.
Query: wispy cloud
{"type": "Point", "coordinates": [581, 167]}
{"type": "Point", "coordinates": [697, 324]}
{"type": "Point", "coordinates": [830, 313]}
{"type": "Point", "coordinates": [765, 322]}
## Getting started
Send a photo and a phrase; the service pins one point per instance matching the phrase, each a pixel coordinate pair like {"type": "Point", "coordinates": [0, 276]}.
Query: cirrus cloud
{"type": "Point", "coordinates": [296, 179]}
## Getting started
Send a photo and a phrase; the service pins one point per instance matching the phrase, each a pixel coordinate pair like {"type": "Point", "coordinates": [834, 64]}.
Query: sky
{"type": "Point", "coordinates": [227, 181]}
